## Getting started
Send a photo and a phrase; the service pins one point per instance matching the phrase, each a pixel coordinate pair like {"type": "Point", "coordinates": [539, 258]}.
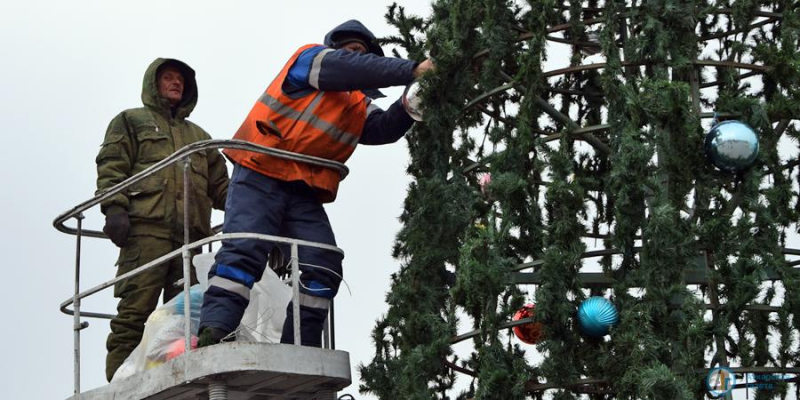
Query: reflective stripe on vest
{"type": "Point", "coordinates": [321, 124]}
{"type": "Point", "coordinates": [350, 139]}
{"type": "Point", "coordinates": [230, 286]}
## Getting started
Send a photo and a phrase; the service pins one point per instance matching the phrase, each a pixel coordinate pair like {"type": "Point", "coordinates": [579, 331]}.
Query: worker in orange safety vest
{"type": "Point", "coordinates": [320, 104]}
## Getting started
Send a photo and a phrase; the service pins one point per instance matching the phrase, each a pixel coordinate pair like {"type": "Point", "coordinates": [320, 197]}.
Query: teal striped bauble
{"type": "Point", "coordinates": [596, 315]}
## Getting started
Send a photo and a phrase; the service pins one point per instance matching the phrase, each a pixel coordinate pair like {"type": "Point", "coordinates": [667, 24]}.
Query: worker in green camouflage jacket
{"type": "Point", "coordinates": [146, 220]}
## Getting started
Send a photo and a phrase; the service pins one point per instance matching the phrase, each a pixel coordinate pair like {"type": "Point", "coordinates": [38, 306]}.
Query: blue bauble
{"type": "Point", "coordinates": [732, 146]}
{"type": "Point", "coordinates": [596, 315]}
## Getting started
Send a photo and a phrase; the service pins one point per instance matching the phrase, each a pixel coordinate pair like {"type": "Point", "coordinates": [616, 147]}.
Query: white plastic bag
{"type": "Point", "coordinates": [263, 318]}
{"type": "Point", "coordinates": [163, 337]}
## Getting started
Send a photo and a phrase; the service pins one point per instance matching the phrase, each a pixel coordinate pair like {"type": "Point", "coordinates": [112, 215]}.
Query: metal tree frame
{"type": "Point", "coordinates": [594, 136]}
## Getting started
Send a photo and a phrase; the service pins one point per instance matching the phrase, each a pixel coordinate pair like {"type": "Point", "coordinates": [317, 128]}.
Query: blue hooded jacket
{"type": "Point", "coordinates": [350, 28]}
{"type": "Point", "coordinates": [328, 69]}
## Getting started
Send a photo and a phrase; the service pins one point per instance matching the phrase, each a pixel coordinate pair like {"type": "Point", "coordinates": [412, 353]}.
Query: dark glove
{"type": "Point", "coordinates": [117, 227]}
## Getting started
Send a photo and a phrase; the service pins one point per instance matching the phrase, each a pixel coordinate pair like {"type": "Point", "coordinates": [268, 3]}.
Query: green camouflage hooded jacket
{"type": "Point", "coordinates": [140, 137]}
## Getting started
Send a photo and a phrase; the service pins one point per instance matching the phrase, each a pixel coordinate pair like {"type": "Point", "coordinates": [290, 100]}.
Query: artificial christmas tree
{"type": "Point", "coordinates": [600, 186]}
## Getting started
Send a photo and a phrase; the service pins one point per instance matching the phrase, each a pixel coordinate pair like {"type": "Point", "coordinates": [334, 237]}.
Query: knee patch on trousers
{"type": "Point", "coordinates": [235, 274]}
{"type": "Point", "coordinates": [232, 279]}
{"type": "Point", "coordinates": [317, 289]}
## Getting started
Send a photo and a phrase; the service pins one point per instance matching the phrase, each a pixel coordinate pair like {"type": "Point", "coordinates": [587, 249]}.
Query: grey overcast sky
{"type": "Point", "coordinates": [67, 68]}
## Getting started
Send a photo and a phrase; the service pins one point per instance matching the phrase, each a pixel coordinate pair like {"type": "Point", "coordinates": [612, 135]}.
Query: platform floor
{"type": "Point", "coordinates": [259, 371]}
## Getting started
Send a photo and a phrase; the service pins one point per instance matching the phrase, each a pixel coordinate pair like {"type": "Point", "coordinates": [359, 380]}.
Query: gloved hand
{"type": "Point", "coordinates": [117, 227]}
{"type": "Point", "coordinates": [423, 67]}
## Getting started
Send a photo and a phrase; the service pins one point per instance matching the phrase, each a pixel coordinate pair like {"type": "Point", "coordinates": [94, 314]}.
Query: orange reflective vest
{"type": "Point", "coordinates": [321, 124]}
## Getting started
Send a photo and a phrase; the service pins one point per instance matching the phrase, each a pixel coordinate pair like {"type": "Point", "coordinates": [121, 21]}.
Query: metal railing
{"type": "Point", "coordinates": [186, 250]}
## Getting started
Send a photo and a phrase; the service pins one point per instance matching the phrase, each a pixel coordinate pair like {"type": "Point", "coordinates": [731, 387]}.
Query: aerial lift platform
{"type": "Point", "coordinates": [263, 371]}
{"type": "Point", "coordinates": [230, 370]}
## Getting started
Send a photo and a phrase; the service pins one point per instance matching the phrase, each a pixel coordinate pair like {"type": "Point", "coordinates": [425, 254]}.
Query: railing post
{"type": "Point", "coordinates": [326, 343]}
{"type": "Point", "coordinates": [187, 273]}
{"type": "Point", "coordinates": [76, 316]}
{"type": "Point", "coordinates": [296, 294]}
{"type": "Point", "coordinates": [332, 325]}
{"type": "Point", "coordinates": [328, 337]}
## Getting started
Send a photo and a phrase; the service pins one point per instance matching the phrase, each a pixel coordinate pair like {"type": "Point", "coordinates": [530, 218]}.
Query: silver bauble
{"type": "Point", "coordinates": [732, 146]}
{"type": "Point", "coordinates": [412, 101]}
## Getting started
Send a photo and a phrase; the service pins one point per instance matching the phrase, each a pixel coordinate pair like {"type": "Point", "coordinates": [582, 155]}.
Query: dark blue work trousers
{"type": "Point", "coordinates": [260, 204]}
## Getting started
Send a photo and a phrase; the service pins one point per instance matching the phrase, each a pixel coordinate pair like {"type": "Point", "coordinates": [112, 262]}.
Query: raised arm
{"type": "Point", "coordinates": [384, 127]}
{"type": "Point", "coordinates": [323, 68]}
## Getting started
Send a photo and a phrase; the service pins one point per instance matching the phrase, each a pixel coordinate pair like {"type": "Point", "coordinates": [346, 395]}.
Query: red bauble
{"type": "Point", "coordinates": [528, 333]}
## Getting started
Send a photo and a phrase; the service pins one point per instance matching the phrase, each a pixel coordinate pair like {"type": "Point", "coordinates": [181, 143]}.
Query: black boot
{"type": "Point", "coordinates": [210, 336]}
{"type": "Point", "coordinates": [311, 322]}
